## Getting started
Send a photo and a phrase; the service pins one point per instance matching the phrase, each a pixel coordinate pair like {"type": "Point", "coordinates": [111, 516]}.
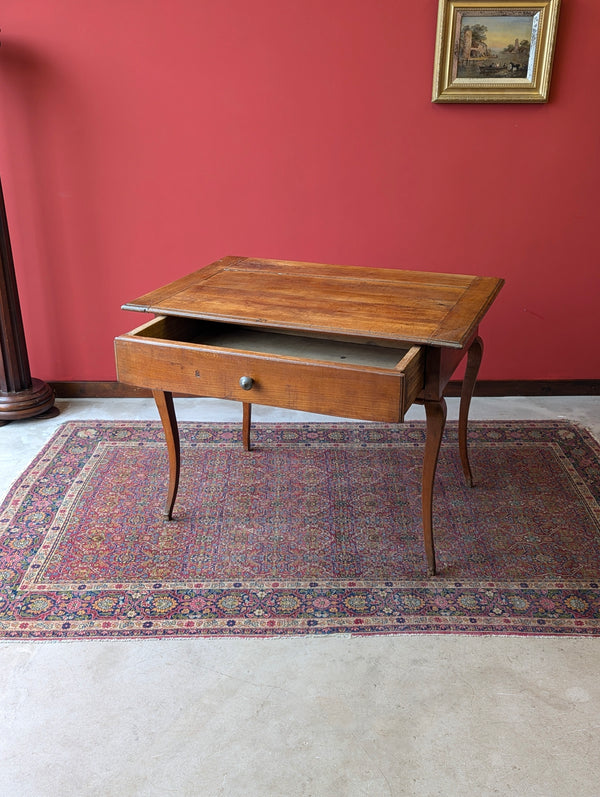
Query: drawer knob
{"type": "Point", "coordinates": [246, 382]}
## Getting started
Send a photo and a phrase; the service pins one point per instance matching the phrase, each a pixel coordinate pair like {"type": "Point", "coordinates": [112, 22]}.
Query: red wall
{"type": "Point", "coordinates": [141, 139]}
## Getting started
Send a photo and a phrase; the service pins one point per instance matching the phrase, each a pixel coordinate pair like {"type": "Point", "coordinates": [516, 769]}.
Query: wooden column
{"type": "Point", "coordinates": [20, 395]}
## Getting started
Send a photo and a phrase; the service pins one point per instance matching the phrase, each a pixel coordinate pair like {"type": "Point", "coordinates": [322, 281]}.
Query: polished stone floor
{"type": "Point", "coordinates": [325, 717]}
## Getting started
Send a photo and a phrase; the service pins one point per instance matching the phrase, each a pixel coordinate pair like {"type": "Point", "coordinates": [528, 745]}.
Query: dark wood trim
{"type": "Point", "coordinates": [531, 387]}
{"type": "Point", "coordinates": [98, 390]}
{"type": "Point", "coordinates": [20, 395]}
{"type": "Point", "coordinates": [483, 388]}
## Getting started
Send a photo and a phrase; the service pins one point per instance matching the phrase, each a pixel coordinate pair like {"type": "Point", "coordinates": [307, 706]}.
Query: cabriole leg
{"type": "Point", "coordinates": [435, 412]}
{"type": "Point", "coordinates": [166, 409]}
{"type": "Point", "coordinates": [468, 386]}
{"type": "Point", "coordinates": [246, 419]}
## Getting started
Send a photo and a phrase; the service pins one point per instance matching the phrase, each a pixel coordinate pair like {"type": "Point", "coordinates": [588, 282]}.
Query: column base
{"type": "Point", "coordinates": [21, 404]}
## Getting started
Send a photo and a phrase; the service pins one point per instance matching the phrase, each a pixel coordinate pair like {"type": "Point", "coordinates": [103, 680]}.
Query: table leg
{"type": "Point", "coordinates": [166, 409]}
{"type": "Point", "coordinates": [474, 356]}
{"type": "Point", "coordinates": [435, 412]}
{"type": "Point", "coordinates": [246, 416]}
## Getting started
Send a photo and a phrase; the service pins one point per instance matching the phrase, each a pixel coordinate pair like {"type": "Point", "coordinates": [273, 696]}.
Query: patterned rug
{"type": "Point", "coordinates": [316, 530]}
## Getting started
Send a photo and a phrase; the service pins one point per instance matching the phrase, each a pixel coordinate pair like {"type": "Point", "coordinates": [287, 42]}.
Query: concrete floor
{"type": "Point", "coordinates": [327, 716]}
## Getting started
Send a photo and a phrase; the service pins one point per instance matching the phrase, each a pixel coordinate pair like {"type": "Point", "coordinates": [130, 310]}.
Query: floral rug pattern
{"type": "Point", "coordinates": [317, 529]}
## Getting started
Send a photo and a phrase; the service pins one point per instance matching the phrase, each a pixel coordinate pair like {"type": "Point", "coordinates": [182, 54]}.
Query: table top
{"type": "Point", "coordinates": [389, 305]}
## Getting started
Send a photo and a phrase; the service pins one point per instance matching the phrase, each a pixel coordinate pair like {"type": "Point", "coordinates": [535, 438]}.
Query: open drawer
{"type": "Point", "coordinates": [272, 367]}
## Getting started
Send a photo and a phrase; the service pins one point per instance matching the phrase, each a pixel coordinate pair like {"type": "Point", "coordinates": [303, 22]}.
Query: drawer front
{"type": "Point", "coordinates": [312, 386]}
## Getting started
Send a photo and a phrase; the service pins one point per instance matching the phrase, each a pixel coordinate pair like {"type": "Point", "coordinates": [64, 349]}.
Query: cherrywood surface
{"type": "Point", "coordinates": [337, 340]}
{"type": "Point", "coordinates": [364, 392]}
{"type": "Point", "coordinates": [385, 304]}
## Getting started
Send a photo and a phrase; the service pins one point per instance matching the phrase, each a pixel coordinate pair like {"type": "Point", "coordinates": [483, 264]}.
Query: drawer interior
{"type": "Point", "coordinates": [267, 341]}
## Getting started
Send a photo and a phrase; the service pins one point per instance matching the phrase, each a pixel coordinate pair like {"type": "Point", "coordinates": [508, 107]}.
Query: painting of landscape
{"type": "Point", "coordinates": [496, 46]}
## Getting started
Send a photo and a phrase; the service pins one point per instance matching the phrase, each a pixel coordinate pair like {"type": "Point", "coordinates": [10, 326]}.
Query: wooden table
{"type": "Point", "coordinates": [339, 340]}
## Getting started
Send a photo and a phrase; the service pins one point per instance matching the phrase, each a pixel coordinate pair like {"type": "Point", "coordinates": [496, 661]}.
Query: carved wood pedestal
{"type": "Point", "coordinates": [20, 395]}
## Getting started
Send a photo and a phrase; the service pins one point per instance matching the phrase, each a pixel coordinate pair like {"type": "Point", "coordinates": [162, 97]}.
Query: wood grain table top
{"type": "Point", "coordinates": [349, 301]}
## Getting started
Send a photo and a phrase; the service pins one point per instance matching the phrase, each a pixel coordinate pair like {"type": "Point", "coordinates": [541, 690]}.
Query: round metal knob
{"type": "Point", "coordinates": [246, 382]}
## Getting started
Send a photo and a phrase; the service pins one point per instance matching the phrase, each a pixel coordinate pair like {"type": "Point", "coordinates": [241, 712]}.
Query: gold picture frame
{"type": "Point", "coordinates": [491, 51]}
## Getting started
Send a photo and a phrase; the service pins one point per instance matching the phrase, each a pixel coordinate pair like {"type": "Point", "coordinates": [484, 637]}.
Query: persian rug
{"type": "Point", "coordinates": [316, 530]}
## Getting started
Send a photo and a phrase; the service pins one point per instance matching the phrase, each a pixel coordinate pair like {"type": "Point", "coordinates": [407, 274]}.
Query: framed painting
{"type": "Point", "coordinates": [491, 51]}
